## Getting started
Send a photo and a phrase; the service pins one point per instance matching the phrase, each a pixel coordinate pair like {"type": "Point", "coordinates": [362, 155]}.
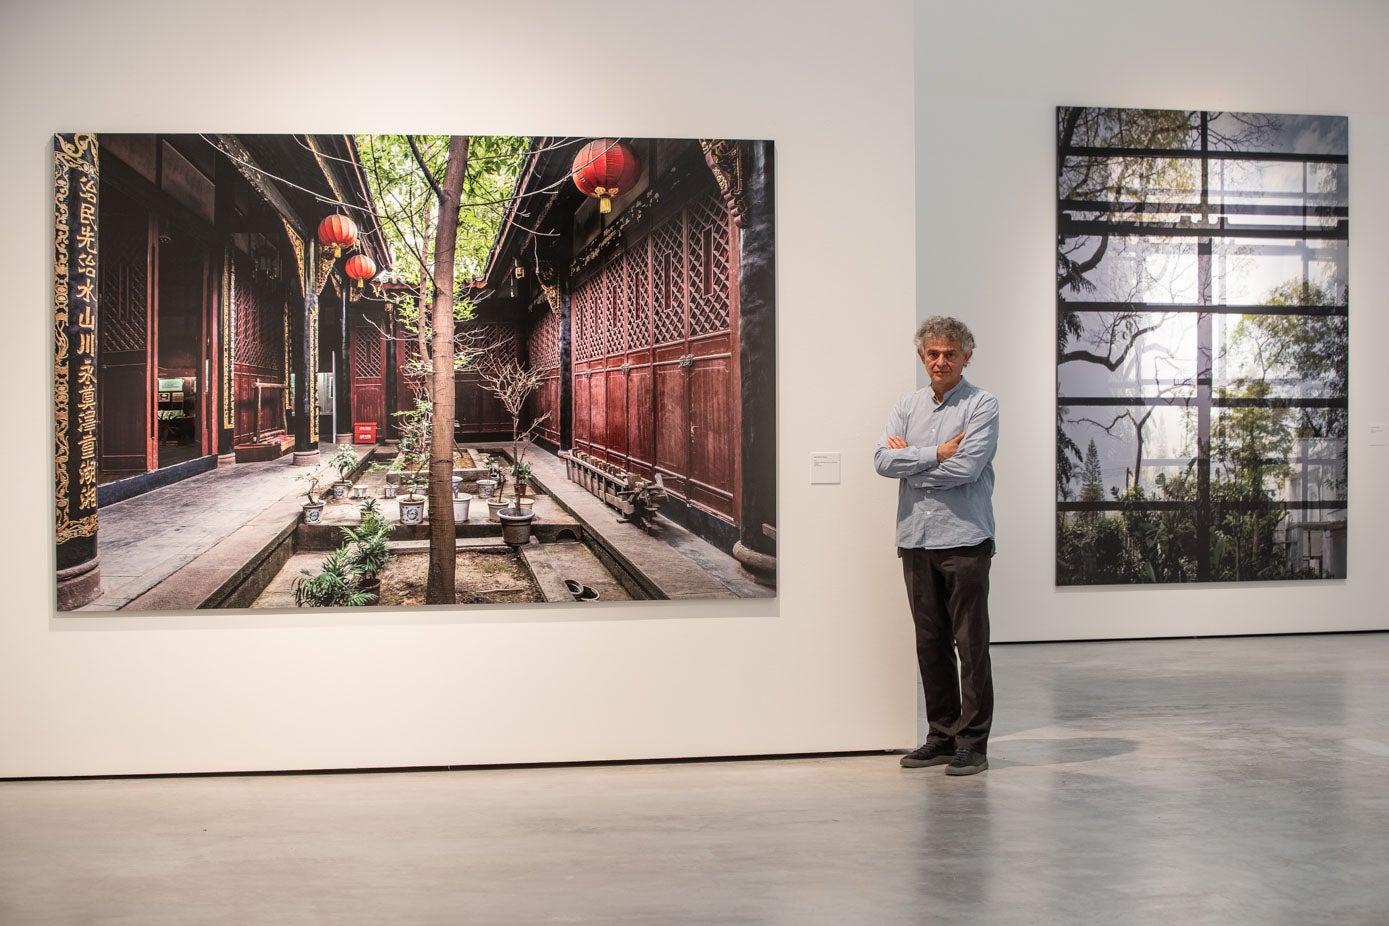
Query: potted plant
{"type": "Point", "coordinates": [512, 384]}
{"type": "Point", "coordinates": [521, 472]}
{"type": "Point", "coordinates": [516, 525]}
{"type": "Point", "coordinates": [344, 461]}
{"type": "Point", "coordinates": [313, 507]}
{"type": "Point", "coordinates": [461, 503]}
{"type": "Point", "coordinates": [412, 458]}
{"type": "Point", "coordinates": [334, 586]}
{"type": "Point", "coordinates": [496, 504]}
{"type": "Point", "coordinates": [496, 471]}
{"type": "Point", "coordinates": [367, 553]}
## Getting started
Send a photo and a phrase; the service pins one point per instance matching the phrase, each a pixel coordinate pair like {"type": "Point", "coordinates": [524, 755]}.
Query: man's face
{"type": "Point", "coordinates": [945, 361]}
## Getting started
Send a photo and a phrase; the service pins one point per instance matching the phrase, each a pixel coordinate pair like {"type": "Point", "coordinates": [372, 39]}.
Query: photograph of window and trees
{"type": "Point", "coordinates": [1201, 346]}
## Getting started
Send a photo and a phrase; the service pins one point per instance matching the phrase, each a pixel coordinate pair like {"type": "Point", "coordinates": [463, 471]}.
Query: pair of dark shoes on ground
{"type": "Point", "coordinates": [962, 761]}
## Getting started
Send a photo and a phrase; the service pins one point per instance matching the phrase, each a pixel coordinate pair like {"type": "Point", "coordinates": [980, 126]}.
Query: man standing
{"type": "Point", "coordinates": [939, 444]}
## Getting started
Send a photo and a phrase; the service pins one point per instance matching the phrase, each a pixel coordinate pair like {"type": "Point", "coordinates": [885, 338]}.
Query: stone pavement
{"type": "Point", "coordinates": [678, 564]}
{"type": "Point", "coordinates": [207, 527]}
{"type": "Point", "coordinates": [144, 540]}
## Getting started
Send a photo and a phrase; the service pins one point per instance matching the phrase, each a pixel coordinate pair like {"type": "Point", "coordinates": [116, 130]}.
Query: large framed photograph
{"type": "Point", "coordinates": [1201, 346]}
{"type": "Point", "coordinates": [384, 370]}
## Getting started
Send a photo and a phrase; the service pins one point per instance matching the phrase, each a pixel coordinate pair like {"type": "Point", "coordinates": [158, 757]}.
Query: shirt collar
{"type": "Point", "coordinates": [946, 398]}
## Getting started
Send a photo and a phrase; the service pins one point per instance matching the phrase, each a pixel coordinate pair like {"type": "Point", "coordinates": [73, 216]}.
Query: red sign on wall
{"type": "Point", "coordinates": [364, 432]}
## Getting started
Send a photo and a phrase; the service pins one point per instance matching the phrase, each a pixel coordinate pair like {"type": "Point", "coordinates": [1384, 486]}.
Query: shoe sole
{"type": "Point", "coordinates": [968, 769]}
{"type": "Point", "coordinates": [925, 763]}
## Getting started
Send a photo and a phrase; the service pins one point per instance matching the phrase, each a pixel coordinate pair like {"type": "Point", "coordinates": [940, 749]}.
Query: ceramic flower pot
{"type": "Point", "coordinates": [516, 526]}
{"type": "Point", "coordinates": [411, 511]}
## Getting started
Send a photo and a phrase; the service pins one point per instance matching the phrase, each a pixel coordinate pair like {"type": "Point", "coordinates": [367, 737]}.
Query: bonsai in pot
{"type": "Point", "coordinates": [412, 458]}
{"type": "Point", "coordinates": [344, 461]}
{"type": "Point", "coordinates": [512, 384]}
{"type": "Point", "coordinates": [521, 472]}
{"type": "Point", "coordinates": [313, 507]}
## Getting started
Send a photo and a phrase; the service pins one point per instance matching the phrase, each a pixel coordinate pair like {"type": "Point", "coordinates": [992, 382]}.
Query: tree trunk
{"type": "Point", "coordinates": [442, 546]}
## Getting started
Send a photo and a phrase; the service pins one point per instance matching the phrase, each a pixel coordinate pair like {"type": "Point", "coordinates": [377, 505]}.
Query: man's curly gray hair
{"type": "Point", "coordinates": [943, 326]}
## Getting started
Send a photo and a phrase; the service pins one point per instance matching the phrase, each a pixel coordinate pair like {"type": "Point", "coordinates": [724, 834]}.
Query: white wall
{"type": "Point", "coordinates": [826, 667]}
{"type": "Point", "coordinates": [989, 77]}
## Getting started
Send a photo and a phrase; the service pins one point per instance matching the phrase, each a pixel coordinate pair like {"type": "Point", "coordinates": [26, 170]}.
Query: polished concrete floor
{"type": "Point", "coordinates": [1229, 782]}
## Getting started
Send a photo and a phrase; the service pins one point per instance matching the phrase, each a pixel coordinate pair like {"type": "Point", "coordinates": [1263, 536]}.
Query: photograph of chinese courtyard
{"type": "Point", "coordinates": [299, 371]}
{"type": "Point", "coordinates": [1201, 346]}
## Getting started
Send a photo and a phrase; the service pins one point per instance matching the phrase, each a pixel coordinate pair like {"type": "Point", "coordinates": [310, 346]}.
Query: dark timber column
{"type": "Point", "coordinates": [756, 546]}
{"type": "Point", "coordinates": [74, 367]}
{"type": "Point", "coordinates": [306, 365]}
{"type": "Point", "coordinates": [226, 176]}
{"type": "Point", "coordinates": [390, 432]}
{"type": "Point", "coordinates": [342, 378]}
{"type": "Point", "coordinates": [566, 367]}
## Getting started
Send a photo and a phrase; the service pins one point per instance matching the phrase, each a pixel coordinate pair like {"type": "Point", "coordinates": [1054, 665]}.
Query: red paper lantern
{"type": "Point", "coordinates": [605, 168]}
{"type": "Point", "coordinates": [337, 232]}
{"type": "Point", "coordinates": [360, 268]}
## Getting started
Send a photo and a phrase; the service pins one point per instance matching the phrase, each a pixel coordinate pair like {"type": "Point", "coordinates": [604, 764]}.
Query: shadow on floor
{"type": "Point", "coordinates": [1042, 752]}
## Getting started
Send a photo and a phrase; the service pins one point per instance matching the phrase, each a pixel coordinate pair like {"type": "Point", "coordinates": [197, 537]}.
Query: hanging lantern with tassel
{"type": "Point", "coordinates": [360, 268]}
{"type": "Point", "coordinates": [337, 232]}
{"type": "Point", "coordinates": [605, 168]}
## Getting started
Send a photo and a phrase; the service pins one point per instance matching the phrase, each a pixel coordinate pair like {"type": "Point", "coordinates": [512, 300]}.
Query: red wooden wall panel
{"type": "Point", "coordinates": [655, 355]}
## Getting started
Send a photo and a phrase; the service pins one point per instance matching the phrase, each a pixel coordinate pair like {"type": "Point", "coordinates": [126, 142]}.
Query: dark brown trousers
{"type": "Point", "coordinates": [949, 595]}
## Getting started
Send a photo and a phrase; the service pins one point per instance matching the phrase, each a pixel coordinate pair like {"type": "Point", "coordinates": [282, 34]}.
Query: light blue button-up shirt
{"type": "Point", "coordinates": [950, 504]}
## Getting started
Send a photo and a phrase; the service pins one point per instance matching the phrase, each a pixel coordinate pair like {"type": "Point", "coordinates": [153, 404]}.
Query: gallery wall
{"type": "Point", "coordinates": [824, 667]}
{"type": "Point", "coordinates": [915, 175]}
{"type": "Point", "coordinates": [988, 80]}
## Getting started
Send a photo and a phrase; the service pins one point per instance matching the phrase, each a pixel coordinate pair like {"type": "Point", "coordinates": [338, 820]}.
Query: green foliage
{"type": "Point", "coordinates": [416, 425]}
{"type": "Point", "coordinates": [334, 586]}
{"type": "Point", "coordinates": [344, 461]}
{"type": "Point", "coordinates": [313, 477]}
{"type": "Point", "coordinates": [409, 209]}
{"type": "Point", "coordinates": [344, 571]}
{"type": "Point", "coordinates": [366, 545]}
{"type": "Point", "coordinates": [1091, 478]}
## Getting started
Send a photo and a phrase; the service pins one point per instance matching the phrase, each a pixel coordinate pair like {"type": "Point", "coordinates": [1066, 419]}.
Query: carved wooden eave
{"type": "Point", "coordinates": [612, 238]}
{"type": "Point", "coordinates": [259, 180]}
{"type": "Point", "coordinates": [326, 262]}
{"type": "Point", "coordinates": [297, 244]}
{"type": "Point", "coordinates": [725, 160]}
{"type": "Point", "coordinates": [329, 174]}
{"type": "Point", "coordinates": [548, 279]}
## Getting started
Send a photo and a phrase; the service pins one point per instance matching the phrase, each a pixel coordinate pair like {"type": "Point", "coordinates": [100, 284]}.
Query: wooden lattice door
{"type": "Point", "coordinates": [126, 335]}
{"type": "Point", "coordinates": [655, 372]}
{"type": "Point", "coordinates": [368, 374]}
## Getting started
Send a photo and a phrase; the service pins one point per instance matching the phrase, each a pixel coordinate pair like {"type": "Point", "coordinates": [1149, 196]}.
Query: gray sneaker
{"type": "Point", "coordinates": [927, 754]}
{"type": "Point", "coordinates": [967, 762]}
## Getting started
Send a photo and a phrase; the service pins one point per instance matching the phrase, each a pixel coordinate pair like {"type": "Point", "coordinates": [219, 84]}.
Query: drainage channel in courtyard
{"type": "Point", "coordinates": [548, 568]}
